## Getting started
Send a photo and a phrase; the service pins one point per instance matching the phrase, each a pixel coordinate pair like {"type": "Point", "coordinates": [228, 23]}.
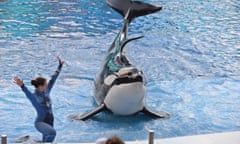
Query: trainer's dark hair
{"type": "Point", "coordinates": [39, 81]}
{"type": "Point", "coordinates": [114, 140]}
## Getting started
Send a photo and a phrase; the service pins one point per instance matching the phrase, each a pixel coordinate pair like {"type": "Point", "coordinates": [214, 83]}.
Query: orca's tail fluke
{"type": "Point", "coordinates": [132, 9]}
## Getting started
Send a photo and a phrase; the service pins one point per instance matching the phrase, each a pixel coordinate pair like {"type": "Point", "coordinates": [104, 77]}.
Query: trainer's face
{"type": "Point", "coordinates": [42, 87]}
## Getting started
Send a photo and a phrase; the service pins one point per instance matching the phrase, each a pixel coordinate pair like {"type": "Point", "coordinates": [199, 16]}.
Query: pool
{"type": "Point", "coordinates": [190, 56]}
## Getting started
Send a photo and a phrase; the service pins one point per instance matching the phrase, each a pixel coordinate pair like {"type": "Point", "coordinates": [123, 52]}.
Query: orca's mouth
{"type": "Point", "coordinates": [125, 80]}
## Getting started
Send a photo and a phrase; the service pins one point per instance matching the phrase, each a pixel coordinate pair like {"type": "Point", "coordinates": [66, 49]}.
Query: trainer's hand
{"type": "Point", "coordinates": [61, 62]}
{"type": "Point", "coordinates": [18, 81]}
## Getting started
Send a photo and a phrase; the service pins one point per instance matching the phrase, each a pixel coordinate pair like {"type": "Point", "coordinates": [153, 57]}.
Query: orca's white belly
{"type": "Point", "coordinates": [126, 99]}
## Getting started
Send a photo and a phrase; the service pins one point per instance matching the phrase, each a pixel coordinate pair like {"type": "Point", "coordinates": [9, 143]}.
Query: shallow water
{"type": "Point", "coordinates": [190, 56]}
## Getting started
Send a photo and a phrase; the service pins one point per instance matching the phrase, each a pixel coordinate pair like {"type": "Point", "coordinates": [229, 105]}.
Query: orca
{"type": "Point", "coordinates": [119, 85]}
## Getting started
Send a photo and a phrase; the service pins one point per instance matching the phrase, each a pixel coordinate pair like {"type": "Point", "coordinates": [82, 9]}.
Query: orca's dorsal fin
{"type": "Point", "coordinates": [136, 8]}
{"type": "Point", "coordinates": [127, 41]}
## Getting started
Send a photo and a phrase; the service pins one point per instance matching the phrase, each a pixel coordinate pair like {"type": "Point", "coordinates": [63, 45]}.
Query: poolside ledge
{"type": "Point", "coordinates": [216, 138]}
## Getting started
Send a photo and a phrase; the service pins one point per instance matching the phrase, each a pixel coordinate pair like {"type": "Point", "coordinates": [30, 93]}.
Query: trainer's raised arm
{"type": "Point", "coordinates": [55, 75]}
{"type": "Point", "coordinates": [61, 62]}
{"type": "Point", "coordinates": [18, 81]}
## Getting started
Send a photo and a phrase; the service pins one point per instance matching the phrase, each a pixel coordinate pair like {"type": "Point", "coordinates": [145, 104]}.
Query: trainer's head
{"type": "Point", "coordinates": [40, 84]}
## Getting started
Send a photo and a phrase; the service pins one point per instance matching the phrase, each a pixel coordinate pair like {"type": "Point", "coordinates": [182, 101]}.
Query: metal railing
{"type": "Point", "coordinates": [151, 137]}
{"type": "Point", "coordinates": [3, 139]}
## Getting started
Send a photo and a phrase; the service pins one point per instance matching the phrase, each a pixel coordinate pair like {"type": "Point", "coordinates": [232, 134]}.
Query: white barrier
{"type": "Point", "coordinates": [215, 138]}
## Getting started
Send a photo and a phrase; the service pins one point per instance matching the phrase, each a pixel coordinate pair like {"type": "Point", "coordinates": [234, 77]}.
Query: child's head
{"type": "Point", "coordinates": [40, 84]}
{"type": "Point", "coordinates": [114, 140]}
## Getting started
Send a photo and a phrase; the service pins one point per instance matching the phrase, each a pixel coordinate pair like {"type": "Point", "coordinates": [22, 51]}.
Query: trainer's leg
{"type": "Point", "coordinates": [47, 131]}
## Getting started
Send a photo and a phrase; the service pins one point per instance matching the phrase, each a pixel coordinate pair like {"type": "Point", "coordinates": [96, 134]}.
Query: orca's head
{"type": "Point", "coordinates": [127, 92]}
{"type": "Point", "coordinates": [125, 76]}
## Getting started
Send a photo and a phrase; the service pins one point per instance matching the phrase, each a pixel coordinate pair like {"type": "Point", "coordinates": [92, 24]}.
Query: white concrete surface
{"type": "Point", "coordinates": [218, 138]}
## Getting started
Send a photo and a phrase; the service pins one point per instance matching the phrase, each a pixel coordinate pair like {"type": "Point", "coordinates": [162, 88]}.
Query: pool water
{"type": "Point", "coordinates": [190, 55]}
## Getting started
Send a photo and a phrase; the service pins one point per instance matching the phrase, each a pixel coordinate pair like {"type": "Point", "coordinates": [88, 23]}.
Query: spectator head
{"type": "Point", "coordinates": [114, 140]}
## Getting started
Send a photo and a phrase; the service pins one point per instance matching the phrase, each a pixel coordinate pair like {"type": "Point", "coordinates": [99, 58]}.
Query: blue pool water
{"type": "Point", "coordinates": [190, 56]}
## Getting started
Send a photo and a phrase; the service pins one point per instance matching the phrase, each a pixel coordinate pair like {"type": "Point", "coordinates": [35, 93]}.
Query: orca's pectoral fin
{"type": "Point", "coordinates": [87, 115]}
{"type": "Point", "coordinates": [155, 114]}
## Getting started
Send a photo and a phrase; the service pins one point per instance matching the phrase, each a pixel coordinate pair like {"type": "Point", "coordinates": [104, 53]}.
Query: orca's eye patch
{"type": "Point", "coordinates": [129, 73]}
{"type": "Point", "coordinates": [125, 80]}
